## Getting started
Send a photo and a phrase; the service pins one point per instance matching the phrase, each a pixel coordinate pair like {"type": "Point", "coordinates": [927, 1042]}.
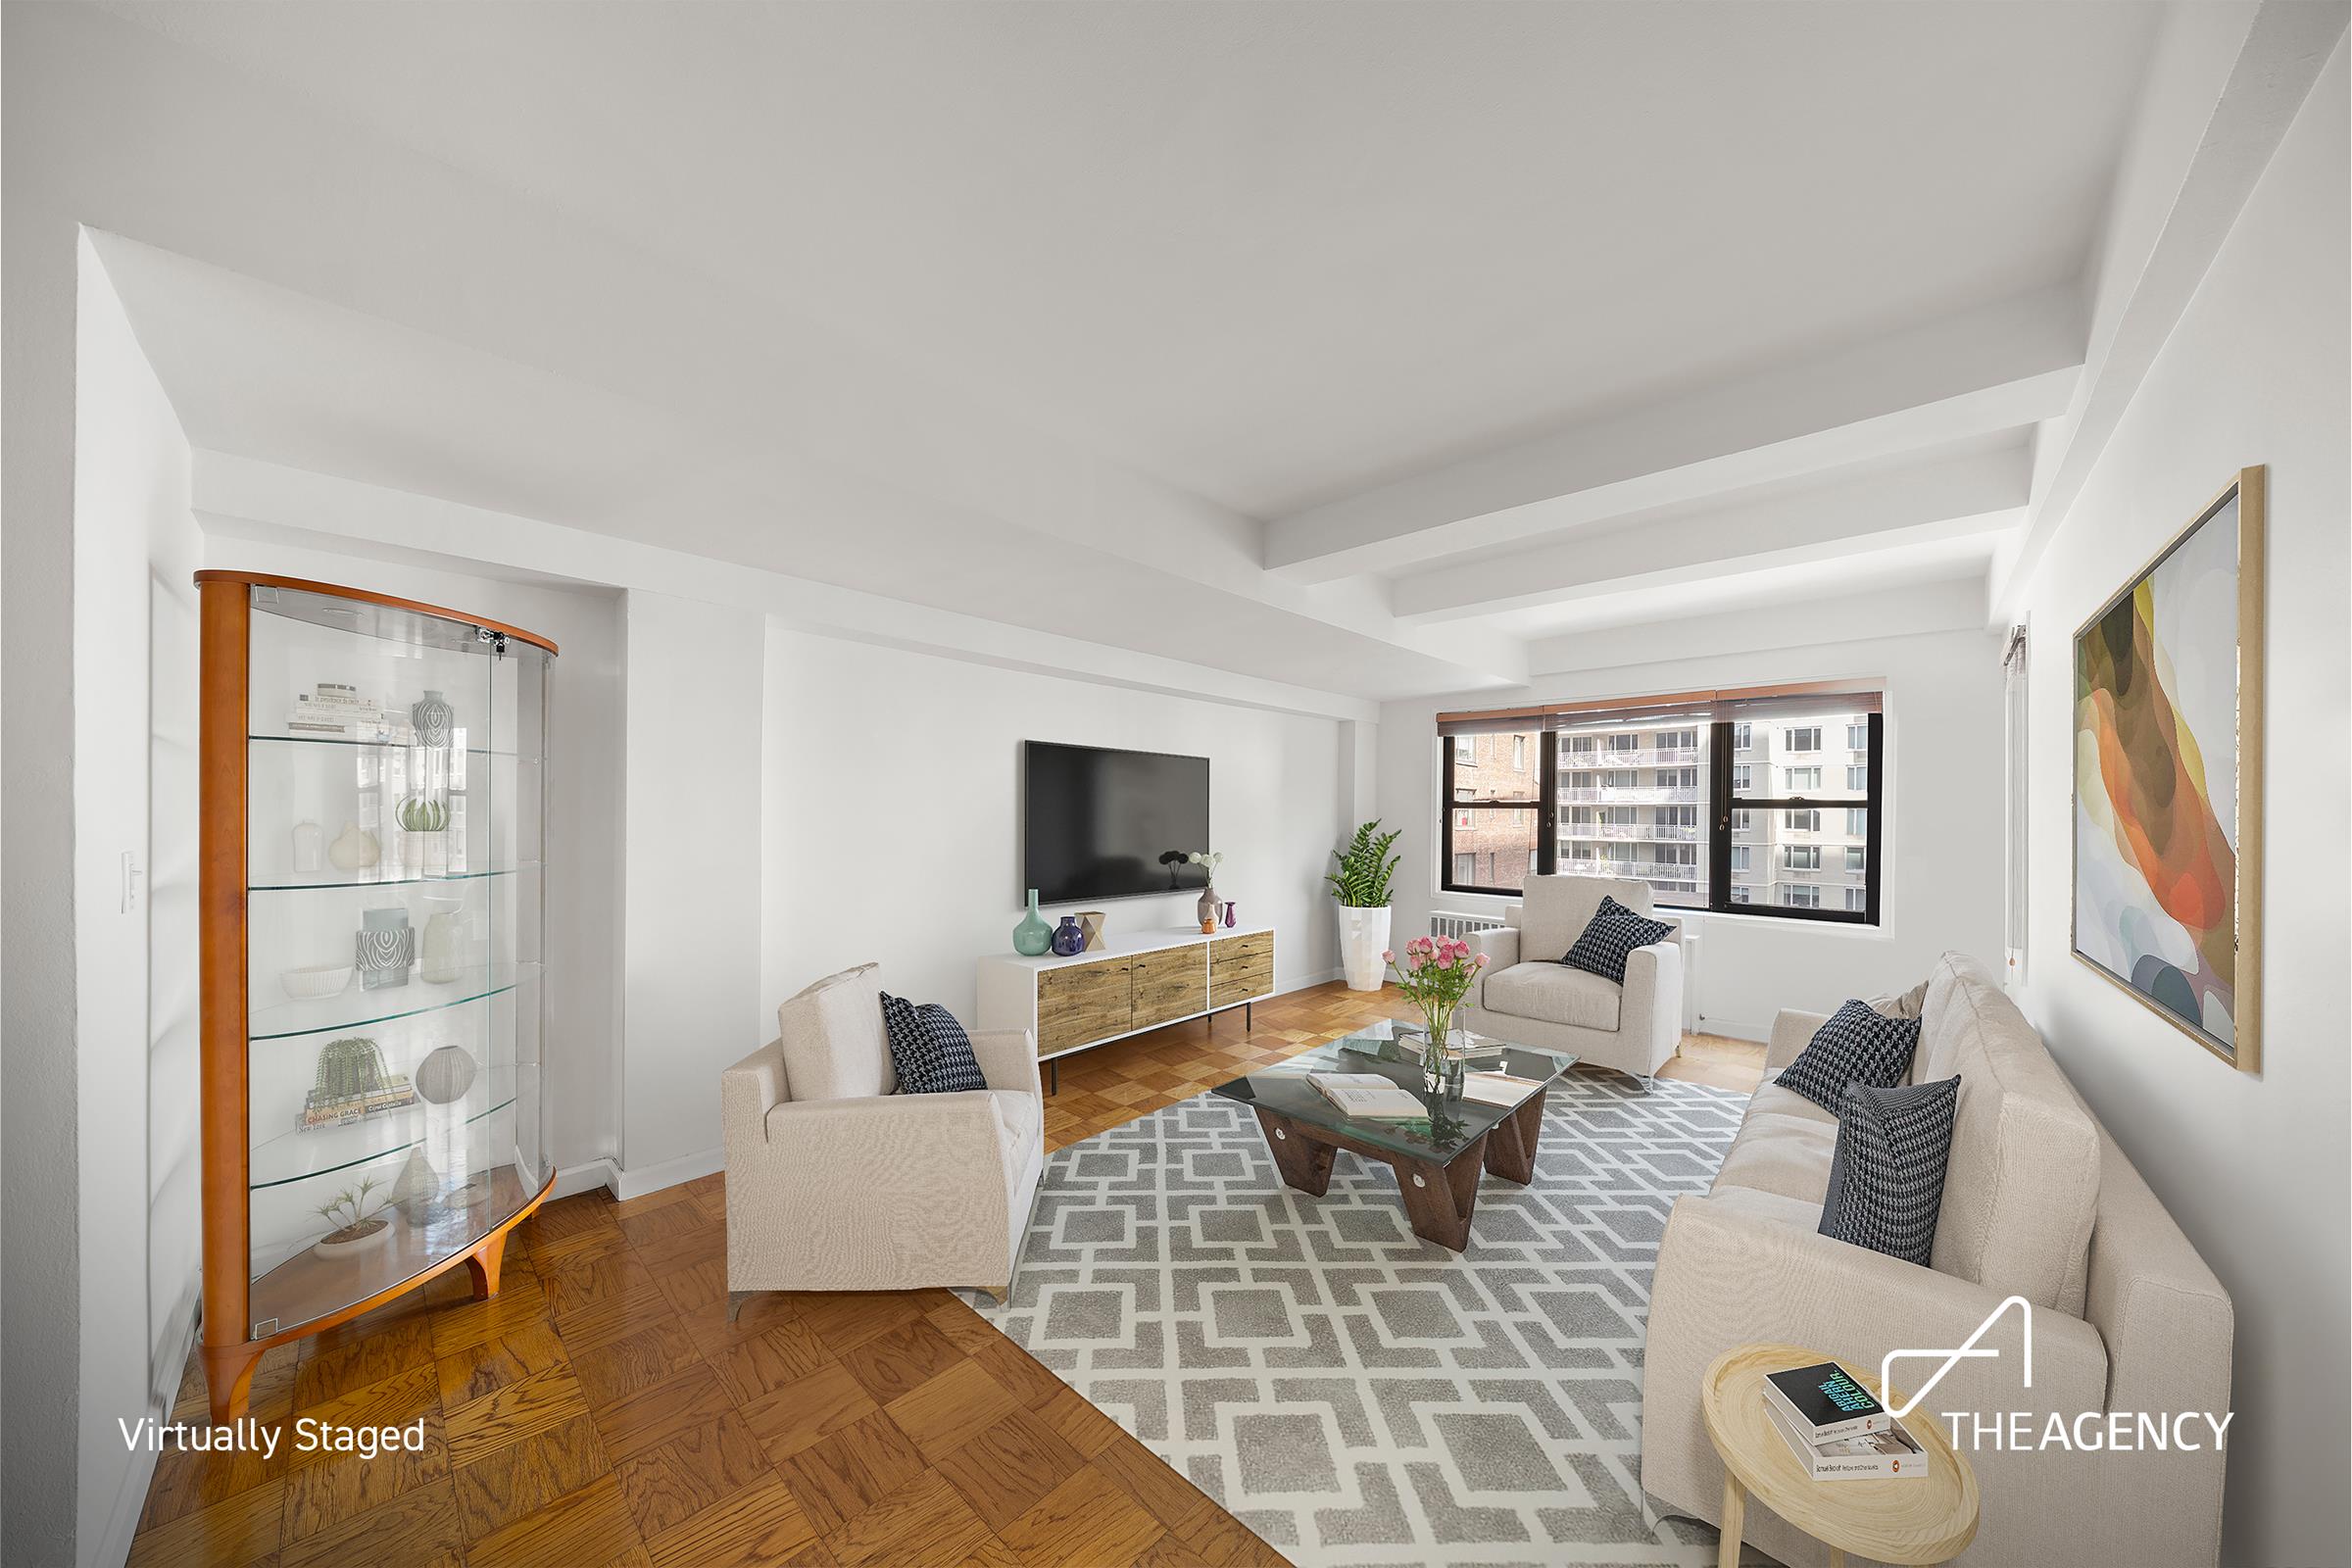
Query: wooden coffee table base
{"type": "Point", "coordinates": [1438, 1198]}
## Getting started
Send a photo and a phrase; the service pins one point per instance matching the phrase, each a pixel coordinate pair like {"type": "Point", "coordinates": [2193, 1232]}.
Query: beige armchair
{"type": "Point", "coordinates": [836, 1182]}
{"type": "Point", "coordinates": [1528, 997]}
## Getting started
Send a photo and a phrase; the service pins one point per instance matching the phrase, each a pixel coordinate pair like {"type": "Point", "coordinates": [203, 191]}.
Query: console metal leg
{"type": "Point", "coordinates": [1053, 1077]}
{"type": "Point", "coordinates": [1248, 1019]}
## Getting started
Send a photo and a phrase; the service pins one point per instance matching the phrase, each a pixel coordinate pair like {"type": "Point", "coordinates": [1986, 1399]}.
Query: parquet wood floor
{"type": "Point", "coordinates": [601, 1412]}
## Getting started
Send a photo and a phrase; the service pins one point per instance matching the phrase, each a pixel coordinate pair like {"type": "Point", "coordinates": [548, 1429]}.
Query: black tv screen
{"type": "Point", "coordinates": [1098, 825]}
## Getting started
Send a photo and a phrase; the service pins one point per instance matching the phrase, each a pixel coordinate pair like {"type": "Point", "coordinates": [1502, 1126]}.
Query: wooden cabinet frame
{"type": "Point", "coordinates": [1141, 980]}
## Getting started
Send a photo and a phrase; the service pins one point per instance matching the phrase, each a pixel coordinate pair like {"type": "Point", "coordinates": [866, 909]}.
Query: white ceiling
{"type": "Point", "coordinates": [1402, 297]}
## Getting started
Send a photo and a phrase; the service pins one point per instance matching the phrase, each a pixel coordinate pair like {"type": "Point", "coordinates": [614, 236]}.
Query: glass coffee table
{"type": "Point", "coordinates": [1436, 1157]}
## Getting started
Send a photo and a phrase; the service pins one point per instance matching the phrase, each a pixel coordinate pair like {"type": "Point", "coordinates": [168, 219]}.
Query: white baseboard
{"type": "Point", "coordinates": [1308, 981]}
{"type": "Point", "coordinates": [130, 1497]}
{"type": "Point", "coordinates": [637, 1181]}
{"type": "Point", "coordinates": [580, 1178]}
{"type": "Point", "coordinates": [1732, 1029]}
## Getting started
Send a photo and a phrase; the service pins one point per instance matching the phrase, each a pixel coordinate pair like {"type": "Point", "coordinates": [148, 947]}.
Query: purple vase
{"type": "Point", "coordinates": [1068, 937]}
{"type": "Point", "coordinates": [1229, 915]}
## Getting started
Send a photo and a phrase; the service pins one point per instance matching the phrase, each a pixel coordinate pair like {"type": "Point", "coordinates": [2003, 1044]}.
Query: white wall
{"type": "Point", "coordinates": [893, 823]}
{"type": "Point", "coordinates": [691, 936]}
{"type": "Point", "coordinates": [581, 1008]}
{"type": "Point", "coordinates": [1942, 888]}
{"type": "Point", "coordinates": [2254, 1168]}
{"type": "Point", "coordinates": [135, 549]}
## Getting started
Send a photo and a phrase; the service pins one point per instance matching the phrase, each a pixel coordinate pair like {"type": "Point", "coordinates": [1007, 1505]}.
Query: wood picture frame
{"type": "Point", "coordinates": [2164, 877]}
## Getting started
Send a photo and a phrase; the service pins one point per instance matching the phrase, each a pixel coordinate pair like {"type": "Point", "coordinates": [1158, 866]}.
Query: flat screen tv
{"type": "Point", "coordinates": [1102, 824]}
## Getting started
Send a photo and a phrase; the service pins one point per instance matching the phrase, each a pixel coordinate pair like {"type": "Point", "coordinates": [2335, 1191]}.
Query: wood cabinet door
{"type": "Point", "coordinates": [1240, 968]}
{"type": "Point", "coordinates": [1080, 1002]}
{"type": "Point", "coordinates": [1170, 984]}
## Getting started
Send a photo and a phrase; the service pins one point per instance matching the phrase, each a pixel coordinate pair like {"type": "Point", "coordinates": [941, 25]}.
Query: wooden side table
{"type": "Point", "coordinates": [1927, 1520]}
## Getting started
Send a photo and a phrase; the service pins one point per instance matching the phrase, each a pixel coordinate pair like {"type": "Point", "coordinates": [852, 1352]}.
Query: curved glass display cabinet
{"type": "Point", "coordinates": [374, 826]}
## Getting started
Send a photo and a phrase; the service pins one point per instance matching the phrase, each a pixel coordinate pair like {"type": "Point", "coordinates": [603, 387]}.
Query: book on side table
{"type": "Point", "coordinates": [1367, 1094]}
{"type": "Point", "coordinates": [1822, 1401]}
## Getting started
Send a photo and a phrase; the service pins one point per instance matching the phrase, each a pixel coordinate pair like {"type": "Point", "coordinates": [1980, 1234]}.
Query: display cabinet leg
{"type": "Point", "coordinates": [481, 1266]}
{"type": "Point", "coordinates": [228, 1378]}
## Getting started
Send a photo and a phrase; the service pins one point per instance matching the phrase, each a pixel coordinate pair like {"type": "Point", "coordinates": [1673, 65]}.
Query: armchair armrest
{"type": "Point", "coordinates": [1791, 1032]}
{"type": "Point", "coordinates": [1727, 1278]}
{"type": "Point", "coordinates": [748, 1091]}
{"type": "Point", "coordinates": [1502, 948]}
{"type": "Point", "coordinates": [1651, 1008]}
{"type": "Point", "coordinates": [1008, 1059]}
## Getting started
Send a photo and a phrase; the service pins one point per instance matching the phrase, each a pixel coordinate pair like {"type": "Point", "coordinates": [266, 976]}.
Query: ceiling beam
{"type": "Point", "coordinates": [2222, 91]}
{"type": "Point", "coordinates": [1940, 499]}
{"type": "Point", "coordinates": [1993, 369]}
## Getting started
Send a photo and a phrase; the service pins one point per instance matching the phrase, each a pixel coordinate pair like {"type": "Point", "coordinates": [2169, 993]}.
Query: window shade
{"type": "Point", "coordinates": [1802, 699]}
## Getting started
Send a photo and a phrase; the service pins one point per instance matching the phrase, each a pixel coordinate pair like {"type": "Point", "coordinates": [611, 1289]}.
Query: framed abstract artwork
{"type": "Point", "coordinates": [2168, 779]}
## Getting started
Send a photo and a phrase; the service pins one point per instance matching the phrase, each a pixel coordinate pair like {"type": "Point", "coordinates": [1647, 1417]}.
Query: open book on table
{"type": "Point", "coordinates": [1367, 1094]}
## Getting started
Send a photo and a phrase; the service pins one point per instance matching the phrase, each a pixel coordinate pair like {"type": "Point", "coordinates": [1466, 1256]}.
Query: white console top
{"type": "Point", "coordinates": [1118, 943]}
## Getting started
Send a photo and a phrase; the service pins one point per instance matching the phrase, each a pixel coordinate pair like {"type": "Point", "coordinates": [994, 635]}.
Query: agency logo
{"type": "Point", "coordinates": [2087, 1430]}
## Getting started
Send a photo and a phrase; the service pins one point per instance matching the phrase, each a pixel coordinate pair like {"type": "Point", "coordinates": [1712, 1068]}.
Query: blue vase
{"type": "Point", "coordinates": [1068, 937]}
{"type": "Point", "coordinates": [1032, 938]}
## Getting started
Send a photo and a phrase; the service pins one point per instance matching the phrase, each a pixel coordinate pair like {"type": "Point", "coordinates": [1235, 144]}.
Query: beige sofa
{"type": "Point", "coordinates": [836, 1182]}
{"type": "Point", "coordinates": [2037, 1202]}
{"type": "Point", "coordinates": [1526, 996]}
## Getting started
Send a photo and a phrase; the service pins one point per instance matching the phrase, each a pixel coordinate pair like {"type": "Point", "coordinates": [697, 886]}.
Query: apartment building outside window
{"type": "Point", "coordinates": [1668, 800]}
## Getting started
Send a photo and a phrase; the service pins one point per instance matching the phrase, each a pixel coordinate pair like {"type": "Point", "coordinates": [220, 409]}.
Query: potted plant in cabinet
{"type": "Point", "coordinates": [1360, 884]}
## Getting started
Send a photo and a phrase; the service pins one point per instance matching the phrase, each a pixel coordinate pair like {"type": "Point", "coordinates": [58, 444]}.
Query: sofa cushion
{"type": "Point", "coordinates": [1771, 1100]}
{"type": "Point", "coordinates": [1749, 1203]}
{"type": "Point", "coordinates": [1556, 994]}
{"type": "Point", "coordinates": [1022, 1116]}
{"type": "Point", "coordinates": [1886, 1176]}
{"type": "Point", "coordinates": [2023, 1187]}
{"type": "Point", "coordinates": [834, 1047]}
{"type": "Point", "coordinates": [1857, 1045]}
{"type": "Point", "coordinates": [1785, 1155]}
{"type": "Point", "coordinates": [928, 1048]}
{"type": "Point", "coordinates": [1610, 938]}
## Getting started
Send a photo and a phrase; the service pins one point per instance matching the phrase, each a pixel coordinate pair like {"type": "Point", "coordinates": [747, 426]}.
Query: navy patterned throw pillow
{"type": "Point", "coordinates": [1859, 1045]}
{"type": "Point", "coordinates": [929, 1048]}
{"type": "Point", "coordinates": [1612, 935]}
{"type": "Point", "coordinates": [1886, 1178]}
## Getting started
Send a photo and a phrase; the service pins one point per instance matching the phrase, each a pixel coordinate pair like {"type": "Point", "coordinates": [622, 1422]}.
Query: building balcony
{"type": "Point", "coordinates": [1669, 757]}
{"type": "Point", "coordinates": [1630, 795]}
{"type": "Point", "coordinates": [1644, 832]}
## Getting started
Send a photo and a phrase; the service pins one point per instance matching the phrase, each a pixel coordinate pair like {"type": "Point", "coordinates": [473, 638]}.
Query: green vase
{"type": "Point", "coordinates": [1032, 936]}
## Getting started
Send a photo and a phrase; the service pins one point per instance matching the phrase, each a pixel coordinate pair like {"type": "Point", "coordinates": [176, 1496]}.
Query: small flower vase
{"type": "Point", "coordinates": [1068, 939]}
{"type": "Point", "coordinates": [1434, 1063]}
{"type": "Point", "coordinates": [1032, 938]}
{"type": "Point", "coordinates": [1207, 910]}
{"type": "Point", "coordinates": [1229, 917]}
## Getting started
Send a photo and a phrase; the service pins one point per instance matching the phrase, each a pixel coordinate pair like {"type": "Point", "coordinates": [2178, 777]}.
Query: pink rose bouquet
{"type": "Point", "coordinates": [1436, 973]}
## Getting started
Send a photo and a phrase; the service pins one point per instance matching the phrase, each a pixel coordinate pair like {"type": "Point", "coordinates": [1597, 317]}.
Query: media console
{"type": "Point", "coordinates": [1136, 980]}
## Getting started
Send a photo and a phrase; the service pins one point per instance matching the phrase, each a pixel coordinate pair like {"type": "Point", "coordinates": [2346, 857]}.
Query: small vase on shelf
{"type": "Point", "coordinates": [1068, 939]}
{"type": "Point", "coordinates": [433, 718]}
{"type": "Point", "coordinates": [1229, 914]}
{"type": "Point", "coordinates": [1206, 910]}
{"type": "Point", "coordinates": [1032, 938]}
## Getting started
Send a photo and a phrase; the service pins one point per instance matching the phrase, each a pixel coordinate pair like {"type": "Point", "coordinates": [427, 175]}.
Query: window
{"type": "Point", "coordinates": [1493, 812]}
{"type": "Point", "coordinates": [1585, 792]}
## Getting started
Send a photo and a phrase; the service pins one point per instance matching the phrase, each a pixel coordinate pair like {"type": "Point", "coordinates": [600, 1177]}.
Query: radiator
{"type": "Point", "coordinates": [1445, 923]}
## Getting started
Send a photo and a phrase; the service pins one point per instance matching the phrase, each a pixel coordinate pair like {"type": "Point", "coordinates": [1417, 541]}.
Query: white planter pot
{"type": "Point", "coordinates": [1363, 938]}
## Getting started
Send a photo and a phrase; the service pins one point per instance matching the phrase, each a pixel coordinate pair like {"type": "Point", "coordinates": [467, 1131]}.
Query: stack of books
{"type": "Point", "coordinates": [338, 711]}
{"type": "Point", "coordinates": [1837, 1428]}
{"type": "Point", "coordinates": [340, 1110]}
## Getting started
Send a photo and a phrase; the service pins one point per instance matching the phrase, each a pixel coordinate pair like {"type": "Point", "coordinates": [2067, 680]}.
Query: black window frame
{"type": "Point", "coordinates": [1721, 737]}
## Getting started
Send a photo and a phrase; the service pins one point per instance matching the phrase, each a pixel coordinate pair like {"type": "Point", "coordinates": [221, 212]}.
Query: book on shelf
{"type": "Point", "coordinates": [1888, 1454]}
{"type": "Point", "coordinates": [340, 1110]}
{"type": "Point", "coordinates": [1368, 1095]}
{"type": "Point", "coordinates": [1823, 1401]}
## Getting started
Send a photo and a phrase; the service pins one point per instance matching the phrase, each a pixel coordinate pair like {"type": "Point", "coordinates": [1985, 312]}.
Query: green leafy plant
{"type": "Point", "coordinates": [352, 1202]}
{"type": "Point", "coordinates": [1365, 867]}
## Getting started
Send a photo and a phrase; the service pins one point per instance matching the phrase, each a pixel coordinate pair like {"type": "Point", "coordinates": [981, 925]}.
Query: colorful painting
{"type": "Point", "coordinates": [2165, 723]}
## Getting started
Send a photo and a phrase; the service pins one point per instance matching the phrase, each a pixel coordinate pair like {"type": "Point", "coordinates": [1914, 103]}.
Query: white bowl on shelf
{"type": "Point", "coordinates": [319, 981]}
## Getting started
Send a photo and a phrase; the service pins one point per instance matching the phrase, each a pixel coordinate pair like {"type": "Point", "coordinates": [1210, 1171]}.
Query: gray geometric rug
{"type": "Point", "coordinates": [1350, 1392]}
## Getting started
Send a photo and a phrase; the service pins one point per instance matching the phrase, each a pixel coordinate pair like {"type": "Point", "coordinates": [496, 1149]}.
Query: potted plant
{"type": "Point", "coordinates": [357, 1227]}
{"type": "Point", "coordinates": [1435, 973]}
{"type": "Point", "coordinates": [1362, 886]}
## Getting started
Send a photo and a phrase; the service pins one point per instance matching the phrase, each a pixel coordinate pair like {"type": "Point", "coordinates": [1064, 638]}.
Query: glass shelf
{"type": "Point", "coordinates": [383, 746]}
{"type": "Point", "coordinates": [303, 882]}
{"type": "Point", "coordinates": [356, 1008]}
{"type": "Point", "coordinates": [294, 1157]}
